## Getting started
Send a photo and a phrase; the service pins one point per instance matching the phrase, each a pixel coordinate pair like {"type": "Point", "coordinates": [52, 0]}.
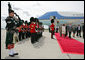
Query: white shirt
{"type": "Point", "coordinates": [63, 29]}
{"type": "Point", "coordinates": [78, 27]}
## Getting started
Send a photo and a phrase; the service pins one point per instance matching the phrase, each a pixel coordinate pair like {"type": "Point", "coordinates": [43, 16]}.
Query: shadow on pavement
{"type": "Point", "coordinates": [23, 41]}
{"type": "Point", "coordinates": [40, 43]}
{"type": "Point", "coordinates": [15, 57]}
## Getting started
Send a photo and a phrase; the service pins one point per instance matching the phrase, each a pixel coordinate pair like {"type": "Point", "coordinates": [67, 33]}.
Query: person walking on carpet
{"type": "Point", "coordinates": [60, 30]}
{"type": "Point", "coordinates": [79, 30]}
{"type": "Point", "coordinates": [63, 30]}
{"type": "Point", "coordinates": [70, 30]}
{"type": "Point", "coordinates": [74, 30]}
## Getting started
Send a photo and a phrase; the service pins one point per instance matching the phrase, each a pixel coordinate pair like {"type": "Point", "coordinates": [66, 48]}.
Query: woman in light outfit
{"type": "Point", "coordinates": [63, 30]}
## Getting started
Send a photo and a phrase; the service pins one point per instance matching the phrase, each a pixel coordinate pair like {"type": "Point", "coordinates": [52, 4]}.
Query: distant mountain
{"type": "Point", "coordinates": [56, 14]}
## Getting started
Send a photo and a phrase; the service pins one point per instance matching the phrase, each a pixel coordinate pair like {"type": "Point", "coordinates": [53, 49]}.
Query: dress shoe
{"type": "Point", "coordinates": [11, 55]}
{"type": "Point", "coordinates": [15, 53]}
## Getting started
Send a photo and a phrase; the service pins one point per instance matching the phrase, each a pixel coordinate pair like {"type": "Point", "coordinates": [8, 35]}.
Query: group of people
{"type": "Point", "coordinates": [18, 30]}
{"type": "Point", "coordinates": [66, 29]}
{"type": "Point", "coordinates": [69, 28]}
{"type": "Point", "coordinates": [31, 29]}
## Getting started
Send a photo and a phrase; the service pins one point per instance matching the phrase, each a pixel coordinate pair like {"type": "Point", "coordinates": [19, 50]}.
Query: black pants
{"type": "Point", "coordinates": [37, 37]}
{"type": "Point", "coordinates": [79, 33]}
{"type": "Point", "coordinates": [20, 36]}
{"type": "Point", "coordinates": [33, 38]}
{"type": "Point", "coordinates": [69, 34]}
{"type": "Point", "coordinates": [26, 34]}
{"type": "Point", "coordinates": [56, 30]}
{"type": "Point", "coordinates": [52, 33]}
{"type": "Point", "coordinates": [29, 34]}
{"type": "Point", "coordinates": [23, 34]}
{"type": "Point", "coordinates": [66, 34]}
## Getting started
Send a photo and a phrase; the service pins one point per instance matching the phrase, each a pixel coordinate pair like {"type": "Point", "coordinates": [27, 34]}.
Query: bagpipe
{"type": "Point", "coordinates": [19, 19]}
{"type": "Point", "coordinates": [17, 26]}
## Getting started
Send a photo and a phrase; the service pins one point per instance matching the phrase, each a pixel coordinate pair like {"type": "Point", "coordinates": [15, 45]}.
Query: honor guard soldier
{"type": "Point", "coordinates": [10, 29]}
{"type": "Point", "coordinates": [41, 28]}
{"type": "Point", "coordinates": [29, 33]}
{"type": "Point", "coordinates": [26, 29]}
{"type": "Point", "coordinates": [20, 30]}
{"type": "Point", "coordinates": [23, 30]}
{"type": "Point", "coordinates": [52, 28]}
{"type": "Point", "coordinates": [32, 31]}
{"type": "Point", "coordinates": [37, 29]}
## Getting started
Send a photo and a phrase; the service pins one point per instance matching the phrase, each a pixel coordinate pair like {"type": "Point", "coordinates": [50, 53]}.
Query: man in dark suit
{"type": "Point", "coordinates": [66, 30]}
{"type": "Point", "coordinates": [70, 30]}
{"type": "Point", "coordinates": [79, 30]}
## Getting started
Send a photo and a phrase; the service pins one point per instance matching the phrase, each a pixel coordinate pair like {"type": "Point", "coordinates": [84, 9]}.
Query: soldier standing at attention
{"type": "Point", "coordinates": [23, 30]}
{"type": "Point", "coordinates": [26, 29]}
{"type": "Point", "coordinates": [32, 31]}
{"type": "Point", "coordinates": [37, 29]}
{"type": "Point", "coordinates": [10, 30]}
{"type": "Point", "coordinates": [52, 28]}
{"type": "Point", "coordinates": [20, 32]}
{"type": "Point", "coordinates": [31, 19]}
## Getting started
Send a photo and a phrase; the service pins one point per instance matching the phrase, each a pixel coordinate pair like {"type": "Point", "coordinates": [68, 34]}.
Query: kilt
{"type": "Point", "coordinates": [9, 38]}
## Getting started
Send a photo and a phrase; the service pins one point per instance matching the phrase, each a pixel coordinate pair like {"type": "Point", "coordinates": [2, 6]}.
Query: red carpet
{"type": "Point", "coordinates": [68, 45]}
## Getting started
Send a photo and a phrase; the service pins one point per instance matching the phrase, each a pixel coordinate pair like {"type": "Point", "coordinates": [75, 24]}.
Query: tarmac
{"type": "Point", "coordinates": [46, 48]}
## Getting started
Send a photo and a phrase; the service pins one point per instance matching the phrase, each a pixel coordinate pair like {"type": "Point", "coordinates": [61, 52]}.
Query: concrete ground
{"type": "Point", "coordinates": [46, 48]}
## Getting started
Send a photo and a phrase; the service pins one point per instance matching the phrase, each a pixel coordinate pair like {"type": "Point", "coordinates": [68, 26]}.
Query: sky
{"type": "Point", "coordinates": [27, 9]}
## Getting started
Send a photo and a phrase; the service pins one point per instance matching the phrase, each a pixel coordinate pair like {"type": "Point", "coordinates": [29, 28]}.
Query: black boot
{"type": "Point", "coordinates": [11, 55]}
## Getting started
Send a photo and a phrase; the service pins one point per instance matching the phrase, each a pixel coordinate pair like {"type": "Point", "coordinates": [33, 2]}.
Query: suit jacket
{"type": "Point", "coordinates": [60, 28]}
{"type": "Point", "coordinates": [69, 28]}
{"type": "Point", "coordinates": [74, 28]}
{"type": "Point", "coordinates": [80, 28]}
